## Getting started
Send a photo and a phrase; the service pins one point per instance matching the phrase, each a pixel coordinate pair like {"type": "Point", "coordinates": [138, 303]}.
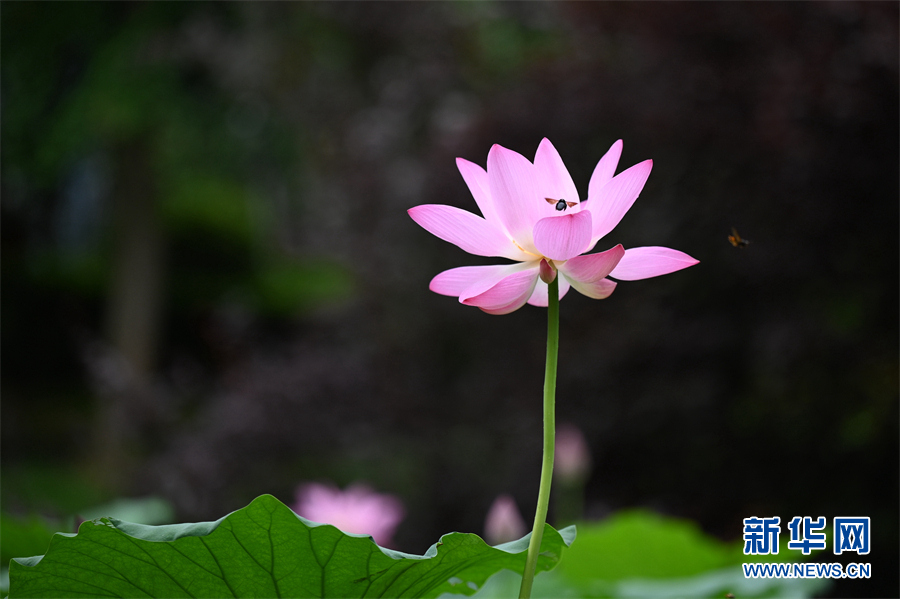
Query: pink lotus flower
{"type": "Point", "coordinates": [572, 458]}
{"type": "Point", "coordinates": [532, 215]}
{"type": "Point", "coordinates": [503, 522]}
{"type": "Point", "coordinates": [356, 510]}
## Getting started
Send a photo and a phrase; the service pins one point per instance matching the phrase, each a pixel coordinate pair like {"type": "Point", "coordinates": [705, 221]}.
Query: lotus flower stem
{"type": "Point", "coordinates": [540, 514]}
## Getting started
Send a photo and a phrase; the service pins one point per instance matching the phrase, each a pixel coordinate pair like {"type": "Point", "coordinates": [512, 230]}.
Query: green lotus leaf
{"type": "Point", "coordinates": [262, 550]}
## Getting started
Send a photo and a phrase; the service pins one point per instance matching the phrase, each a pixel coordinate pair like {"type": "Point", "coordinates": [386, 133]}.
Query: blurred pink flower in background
{"type": "Point", "coordinates": [572, 462]}
{"type": "Point", "coordinates": [357, 510]}
{"type": "Point", "coordinates": [532, 214]}
{"type": "Point", "coordinates": [503, 522]}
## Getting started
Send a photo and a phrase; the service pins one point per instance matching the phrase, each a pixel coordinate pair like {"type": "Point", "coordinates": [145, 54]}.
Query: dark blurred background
{"type": "Point", "coordinates": [211, 289]}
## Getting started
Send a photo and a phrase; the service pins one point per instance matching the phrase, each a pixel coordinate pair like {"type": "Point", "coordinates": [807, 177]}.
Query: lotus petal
{"type": "Point", "coordinates": [563, 237]}
{"type": "Point", "coordinates": [465, 230]}
{"type": "Point", "coordinates": [645, 262]}
{"type": "Point", "coordinates": [616, 197]}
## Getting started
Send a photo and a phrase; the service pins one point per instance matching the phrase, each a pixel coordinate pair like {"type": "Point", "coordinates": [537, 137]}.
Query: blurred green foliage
{"type": "Point", "coordinates": [636, 553]}
{"type": "Point", "coordinates": [24, 536]}
{"type": "Point", "coordinates": [639, 544]}
{"type": "Point", "coordinates": [36, 487]}
{"type": "Point", "coordinates": [119, 89]}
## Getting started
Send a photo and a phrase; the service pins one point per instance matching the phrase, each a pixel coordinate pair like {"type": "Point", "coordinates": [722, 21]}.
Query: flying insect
{"type": "Point", "coordinates": [560, 204]}
{"type": "Point", "coordinates": [736, 240]}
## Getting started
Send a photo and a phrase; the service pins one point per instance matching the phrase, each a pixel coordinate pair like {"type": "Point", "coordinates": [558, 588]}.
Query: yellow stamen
{"type": "Point", "coordinates": [524, 250]}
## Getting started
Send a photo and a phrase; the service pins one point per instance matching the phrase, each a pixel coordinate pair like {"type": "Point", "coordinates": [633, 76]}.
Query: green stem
{"type": "Point", "coordinates": [540, 514]}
